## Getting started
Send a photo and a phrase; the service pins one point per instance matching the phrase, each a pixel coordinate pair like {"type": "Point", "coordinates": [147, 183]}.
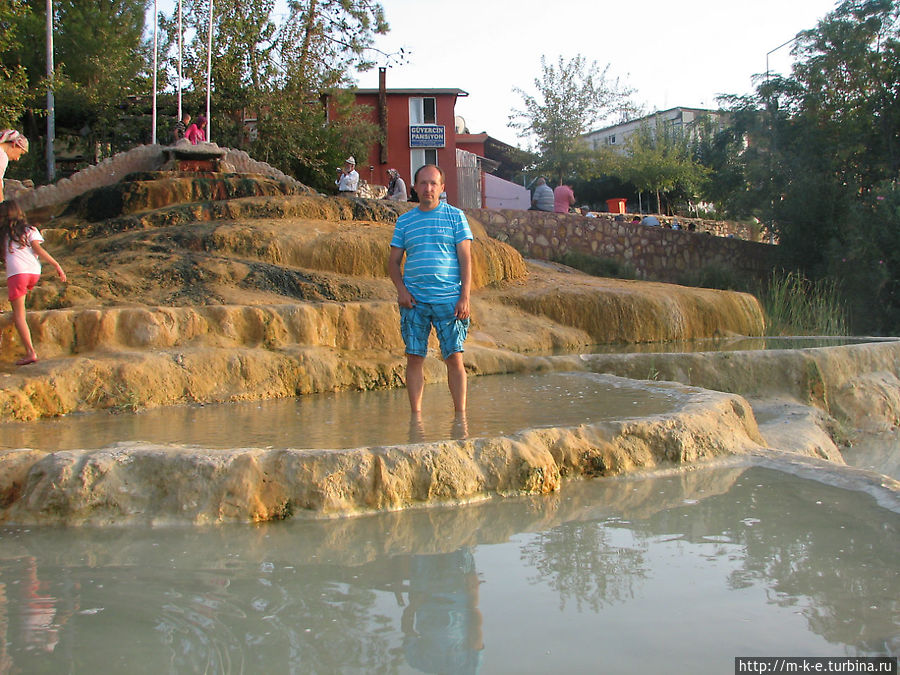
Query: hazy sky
{"type": "Point", "coordinates": [672, 53]}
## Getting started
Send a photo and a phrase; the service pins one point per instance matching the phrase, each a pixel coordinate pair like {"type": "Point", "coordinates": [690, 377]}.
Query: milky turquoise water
{"type": "Point", "coordinates": [677, 573]}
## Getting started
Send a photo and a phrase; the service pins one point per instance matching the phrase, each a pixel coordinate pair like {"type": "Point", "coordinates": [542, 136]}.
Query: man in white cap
{"type": "Point", "coordinates": [348, 179]}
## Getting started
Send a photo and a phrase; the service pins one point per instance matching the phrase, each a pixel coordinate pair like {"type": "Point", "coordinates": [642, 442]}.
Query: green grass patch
{"type": "Point", "coordinates": [794, 305]}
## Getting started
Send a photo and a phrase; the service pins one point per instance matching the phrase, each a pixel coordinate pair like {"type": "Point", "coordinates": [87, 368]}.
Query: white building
{"type": "Point", "coordinates": [679, 121]}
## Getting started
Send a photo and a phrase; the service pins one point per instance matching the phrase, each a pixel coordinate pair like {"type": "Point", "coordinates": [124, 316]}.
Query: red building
{"type": "Point", "coordinates": [419, 128]}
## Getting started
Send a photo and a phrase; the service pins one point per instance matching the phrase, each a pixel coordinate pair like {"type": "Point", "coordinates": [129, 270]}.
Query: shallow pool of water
{"type": "Point", "coordinates": [498, 405]}
{"type": "Point", "coordinates": [617, 576]}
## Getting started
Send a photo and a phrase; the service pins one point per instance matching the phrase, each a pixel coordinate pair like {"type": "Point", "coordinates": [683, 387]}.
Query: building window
{"type": "Point", "coordinates": [611, 139]}
{"type": "Point", "coordinates": [422, 110]}
{"type": "Point", "coordinates": [419, 157]}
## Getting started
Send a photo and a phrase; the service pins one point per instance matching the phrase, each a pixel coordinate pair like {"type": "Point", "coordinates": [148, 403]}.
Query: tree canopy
{"type": "Point", "coordinates": [816, 156]}
{"type": "Point", "coordinates": [571, 97]}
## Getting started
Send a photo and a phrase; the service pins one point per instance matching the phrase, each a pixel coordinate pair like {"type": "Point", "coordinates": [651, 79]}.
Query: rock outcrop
{"type": "Point", "coordinates": [215, 288]}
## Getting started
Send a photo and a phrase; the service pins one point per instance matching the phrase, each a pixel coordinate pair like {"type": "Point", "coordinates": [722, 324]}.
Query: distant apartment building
{"type": "Point", "coordinates": [677, 121]}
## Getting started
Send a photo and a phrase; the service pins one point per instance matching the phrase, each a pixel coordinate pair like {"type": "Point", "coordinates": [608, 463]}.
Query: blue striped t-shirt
{"type": "Point", "coordinates": [431, 273]}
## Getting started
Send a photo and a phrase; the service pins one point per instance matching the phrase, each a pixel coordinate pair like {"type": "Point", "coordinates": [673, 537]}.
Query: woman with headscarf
{"type": "Point", "coordinates": [12, 146]}
{"type": "Point", "coordinates": [396, 187]}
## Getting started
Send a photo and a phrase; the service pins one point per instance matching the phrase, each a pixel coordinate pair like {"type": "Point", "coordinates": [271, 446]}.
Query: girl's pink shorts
{"type": "Point", "coordinates": [19, 284]}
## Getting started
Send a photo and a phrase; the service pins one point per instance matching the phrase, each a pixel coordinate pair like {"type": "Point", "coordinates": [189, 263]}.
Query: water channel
{"type": "Point", "coordinates": [690, 567]}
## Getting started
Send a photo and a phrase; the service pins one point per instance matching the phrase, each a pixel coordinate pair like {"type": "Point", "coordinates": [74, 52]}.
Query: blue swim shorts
{"type": "Point", "coordinates": [416, 323]}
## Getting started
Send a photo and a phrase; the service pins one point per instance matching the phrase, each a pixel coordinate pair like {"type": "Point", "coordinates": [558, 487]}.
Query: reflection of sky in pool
{"type": "Point", "coordinates": [499, 404]}
{"type": "Point", "coordinates": [614, 575]}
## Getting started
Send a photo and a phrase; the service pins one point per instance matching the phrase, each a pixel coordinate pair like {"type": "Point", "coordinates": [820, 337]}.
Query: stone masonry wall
{"type": "Point", "coordinates": [656, 253]}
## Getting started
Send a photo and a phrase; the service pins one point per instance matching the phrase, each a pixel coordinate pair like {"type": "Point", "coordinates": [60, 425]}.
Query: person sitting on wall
{"type": "Point", "coordinates": [651, 221]}
{"type": "Point", "coordinates": [396, 187]}
{"type": "Point", "coordinates": [542, 199]}
{"type": "Point", "coordinates": [181, 127]}
{"type": "Point", "coordinates": [563, 198]}
{"type": "Point", "coordinates": [196, 133]}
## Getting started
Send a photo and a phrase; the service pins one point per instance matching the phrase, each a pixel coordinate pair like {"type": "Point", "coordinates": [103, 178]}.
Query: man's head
{"type": "Point", "coordinates": [349, 163]}
{"type": "Point", "coordinates": [186, 119]}
{"type": "Point", "coordinates": [541, 181]}
{"type": "Point", "coordinates": [429, 184]}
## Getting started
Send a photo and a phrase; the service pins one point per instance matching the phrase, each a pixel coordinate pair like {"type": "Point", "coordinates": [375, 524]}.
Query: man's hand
{"type": "Point", "coordinates": [462, 308]}
{"type": "Point", "coordinates": [405, 298]}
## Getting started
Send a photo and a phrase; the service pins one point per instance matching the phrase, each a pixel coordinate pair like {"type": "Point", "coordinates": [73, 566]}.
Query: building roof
{"type": "Point", "coordinates": [653, 115]}
{"type": "Point", "coordinates": [412, 92]}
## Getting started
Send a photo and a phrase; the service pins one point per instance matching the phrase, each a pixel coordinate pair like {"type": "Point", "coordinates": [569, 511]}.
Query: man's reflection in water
{"type": "Point", "coordinates": [441, 622]}
{"type": "Point", "coordinates": [459, 428]}
{"type": "Point", "coordinates": [416, 428]}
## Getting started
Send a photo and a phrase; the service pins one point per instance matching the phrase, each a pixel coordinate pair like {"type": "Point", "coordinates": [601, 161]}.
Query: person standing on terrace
{"type": "Point", "coordinates": [433, 288]}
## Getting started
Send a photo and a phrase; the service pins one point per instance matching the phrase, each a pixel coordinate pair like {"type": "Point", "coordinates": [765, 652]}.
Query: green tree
{"type": "Point", "coordinates": [100, 60]}
{"type": "Point", "coordinates": [821, 162]}
{"type": "Point", "coordinates": [571, 97]}
{"type": "Point", "coordinates": [659, 160]}
{"type": "Point", "coordinates": [278, 71]}
{"type": "Point", "coordinates": [13, 76]}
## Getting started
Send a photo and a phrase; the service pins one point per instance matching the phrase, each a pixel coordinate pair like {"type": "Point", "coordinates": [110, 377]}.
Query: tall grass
{"type": "Point", "coordinates": [794, 305]}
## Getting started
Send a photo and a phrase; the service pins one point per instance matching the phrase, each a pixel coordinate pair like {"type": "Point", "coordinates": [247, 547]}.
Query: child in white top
{"type": "Point", "coordinates": [23, 254]}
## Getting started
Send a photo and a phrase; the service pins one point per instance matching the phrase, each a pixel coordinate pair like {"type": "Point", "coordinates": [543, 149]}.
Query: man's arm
{"type": "Point", "coordinates": [464, 254]}
{"type": "Point", "coordinates": [404, 297]}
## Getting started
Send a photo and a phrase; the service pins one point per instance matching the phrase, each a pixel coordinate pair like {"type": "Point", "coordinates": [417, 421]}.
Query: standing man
{"type": "Point", "coordinates": [348, 179]}
{"type": "Point", "coordinates": [433, 288]}
{"type": "Point", "coordinates": [563, 198]}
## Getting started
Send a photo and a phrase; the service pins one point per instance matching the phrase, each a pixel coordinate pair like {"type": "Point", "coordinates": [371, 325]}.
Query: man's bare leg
{"type": "Point", "coordinates": [415, 381]}
{"type": "Point", "coordinates": [456, 379]}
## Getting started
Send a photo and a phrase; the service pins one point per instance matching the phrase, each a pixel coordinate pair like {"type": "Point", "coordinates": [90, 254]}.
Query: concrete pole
{"type": "Point", "coordinates": [155, 66]}
{"type": "Point", "coordinates": [51, 111]}
{"type": "Point", "coordinates": [209, 74]}
{"type": "Point", "coordinates": [180, 53]}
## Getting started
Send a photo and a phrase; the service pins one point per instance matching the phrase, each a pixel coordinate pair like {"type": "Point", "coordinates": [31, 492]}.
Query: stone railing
{"type": "Point", "coordinates": [655, 253]}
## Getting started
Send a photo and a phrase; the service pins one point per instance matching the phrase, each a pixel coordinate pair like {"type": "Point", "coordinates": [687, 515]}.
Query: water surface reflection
{"type": "Point", "coordinates": [498, 405]}
{"type": "Point", "coordinates": [625, 575]}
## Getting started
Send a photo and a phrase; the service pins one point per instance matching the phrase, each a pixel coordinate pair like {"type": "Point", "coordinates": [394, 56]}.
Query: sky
{"type": "Point", "coordinates": [672, 53]}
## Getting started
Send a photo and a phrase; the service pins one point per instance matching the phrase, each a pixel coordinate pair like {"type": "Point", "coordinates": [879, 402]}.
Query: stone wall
{"type": "Point", "coordinates": [656, 253]}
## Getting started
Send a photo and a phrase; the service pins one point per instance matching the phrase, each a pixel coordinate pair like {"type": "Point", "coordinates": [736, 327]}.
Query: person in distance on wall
{"type": "Point", "coordinates": [563, 198]}
{"type": "Point", "coordinates": [181, 127]}
{"type": "Point", "coordinates": [348, 179]}
{"type": "Point", "coordinates": [396, 187]}
{"type": "Point", "coordinates": [433, 288]}
{"type": "Point", "coordinates": [196, 133]}
{"type": "Point", "coordinates": [542, 200]}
